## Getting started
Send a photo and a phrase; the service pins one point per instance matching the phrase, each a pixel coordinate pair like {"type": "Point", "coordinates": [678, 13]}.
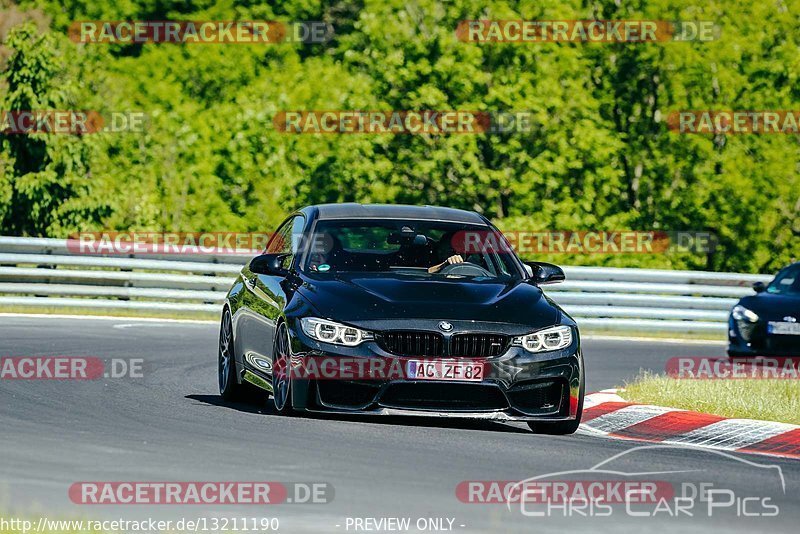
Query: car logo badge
{"type": "Point", "coordinates": [790, 319]}
{"type": "Point", "coordinates": [444, 325]}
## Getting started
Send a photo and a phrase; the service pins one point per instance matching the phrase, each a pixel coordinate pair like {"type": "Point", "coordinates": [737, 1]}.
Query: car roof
{"type": "Point", "coordinates": [352, 210]}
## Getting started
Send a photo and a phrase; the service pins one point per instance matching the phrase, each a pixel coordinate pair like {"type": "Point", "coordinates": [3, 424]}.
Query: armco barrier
{"type": "Point", "coordinates": [36, 272]}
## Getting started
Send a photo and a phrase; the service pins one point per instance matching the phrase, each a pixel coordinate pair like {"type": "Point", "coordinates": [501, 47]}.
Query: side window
{"type": "Point", "coordinates": [287, 239]}
{"type": "Point", "coordinates": [281, 242]}
{"type": "Point", "coordinates": [297, 237]}
{"type": "Point", "coordinates": [786, 281]}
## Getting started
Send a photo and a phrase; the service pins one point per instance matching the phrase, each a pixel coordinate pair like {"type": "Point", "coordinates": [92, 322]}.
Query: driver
{"type": "Point", "coordinates": [452, 260]}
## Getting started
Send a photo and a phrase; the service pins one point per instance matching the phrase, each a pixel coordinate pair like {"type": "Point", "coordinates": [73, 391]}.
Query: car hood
{"type": "Point", "coordinates": [773, 307]}
{"type": "Point", "coordinates": [361, 297]}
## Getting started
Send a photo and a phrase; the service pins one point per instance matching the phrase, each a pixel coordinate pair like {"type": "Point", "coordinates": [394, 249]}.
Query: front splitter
{"type": "Point", "coordinates": [491, 416]}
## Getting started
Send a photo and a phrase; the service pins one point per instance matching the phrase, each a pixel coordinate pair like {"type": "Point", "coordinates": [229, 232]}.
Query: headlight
{"type": "Point", "coordinates": [330, 332]}
{"type": "Point", "coordinates": [553, 338]}
{"type": "Point", "coordinates": [740, 313]}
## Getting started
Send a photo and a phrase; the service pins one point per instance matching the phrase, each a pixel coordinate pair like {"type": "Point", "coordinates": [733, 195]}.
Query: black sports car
{"type": "Point", "coordinates": [768, 323]}
{"type": "Point", "coordinates": [379, 309]}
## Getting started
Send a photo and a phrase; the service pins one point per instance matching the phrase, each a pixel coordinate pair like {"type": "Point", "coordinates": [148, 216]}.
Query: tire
{"type": "Point", "coordinates": [226, 361]}
{"type": "Point", "coordinates": [229, 386]}
{"type": "Point", "coordinates": [281, 377]}
{"type": "Point", "coordinates": [562, 428]}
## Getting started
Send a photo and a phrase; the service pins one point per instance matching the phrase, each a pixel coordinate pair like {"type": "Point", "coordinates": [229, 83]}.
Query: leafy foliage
{"type": "Point", "coordinates": [599, 155]}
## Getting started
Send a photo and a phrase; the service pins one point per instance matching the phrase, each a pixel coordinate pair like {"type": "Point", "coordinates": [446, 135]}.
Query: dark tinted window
{"type": "Point", "coordinates": [408, 246]}
{"type": "Point", "coordinates": [786, 282]}
{"type": "Point", "coordinates": [287, 239]}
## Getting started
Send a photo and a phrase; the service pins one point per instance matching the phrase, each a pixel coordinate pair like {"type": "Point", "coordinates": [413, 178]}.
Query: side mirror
{"type": "Point", "coordinates": [270, 264]}
{"type": "Point", "coordinates": [759, 287]}
{"type": "Point", "coordinates": [545, 273]}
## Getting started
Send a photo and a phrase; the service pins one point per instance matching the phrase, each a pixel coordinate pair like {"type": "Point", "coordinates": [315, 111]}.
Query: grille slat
{"type": "Point", "coordinates": [431, 344]}
{"type": "Point", "coordinates": [478, 345]}
{"type": "Point", "coordinates": [412, 343]}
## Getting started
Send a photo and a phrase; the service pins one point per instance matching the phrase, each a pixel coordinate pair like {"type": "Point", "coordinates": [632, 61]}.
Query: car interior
{"type": "Point", "coordinates": [399, 250]}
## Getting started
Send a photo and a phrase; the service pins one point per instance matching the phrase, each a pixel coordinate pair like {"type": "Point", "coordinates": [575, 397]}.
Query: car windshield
{"type": "Point", "coordinates": [424, 248]}
{"type": "Point", "coordinates": [787, 282]}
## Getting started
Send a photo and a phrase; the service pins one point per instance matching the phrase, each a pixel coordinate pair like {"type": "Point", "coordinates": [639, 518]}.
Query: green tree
{"type": "Point", "coordinates": [599, 155]}
{"type": "Point", "coordinates": [45, 178]}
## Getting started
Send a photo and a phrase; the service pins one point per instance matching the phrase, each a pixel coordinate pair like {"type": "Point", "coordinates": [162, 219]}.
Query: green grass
{"type": "Point", "coordinates": [768, 400]}
{"type": "Point", "coordinates": [65, 310]}
{"type": "Point", "coordinates": [698, 336]}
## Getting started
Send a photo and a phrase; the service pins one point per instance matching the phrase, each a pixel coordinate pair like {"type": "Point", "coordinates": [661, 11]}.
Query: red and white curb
{"type": "Point", "coordinates": [606, 413]}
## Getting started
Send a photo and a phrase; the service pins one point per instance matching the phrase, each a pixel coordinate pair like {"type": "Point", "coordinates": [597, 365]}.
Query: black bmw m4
{"type": "Point", "coordinates": [400, 310]}
{"type": "Point", "coordinates": [768, 323]}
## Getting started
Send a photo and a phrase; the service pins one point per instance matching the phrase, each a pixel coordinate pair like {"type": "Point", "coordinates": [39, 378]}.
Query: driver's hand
{"type": "Point", "coordinates": [452, 260]}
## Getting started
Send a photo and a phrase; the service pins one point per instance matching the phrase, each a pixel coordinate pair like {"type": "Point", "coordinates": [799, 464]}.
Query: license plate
{"type": "Point", "coordinates": [444, 370]}
{"type": "Point", "coordinates": [790, 329]}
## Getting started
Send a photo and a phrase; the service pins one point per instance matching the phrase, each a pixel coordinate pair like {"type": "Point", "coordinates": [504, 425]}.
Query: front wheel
{"type": "Point", "coordinates": [281, 375]}
{"type": "Point", "coordinates": [229, 387]}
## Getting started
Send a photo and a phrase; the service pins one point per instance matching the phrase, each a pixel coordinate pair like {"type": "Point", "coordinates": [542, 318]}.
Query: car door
{"type": "Point", "coordinates": [264, 298]}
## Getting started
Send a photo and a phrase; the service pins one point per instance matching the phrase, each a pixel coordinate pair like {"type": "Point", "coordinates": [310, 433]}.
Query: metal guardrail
{"type": "Point", "coordinates": [37, 272]}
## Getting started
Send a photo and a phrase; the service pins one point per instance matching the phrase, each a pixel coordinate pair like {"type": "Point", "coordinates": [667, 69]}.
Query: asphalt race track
{"type": "Point", "coordinates": [171, 425]}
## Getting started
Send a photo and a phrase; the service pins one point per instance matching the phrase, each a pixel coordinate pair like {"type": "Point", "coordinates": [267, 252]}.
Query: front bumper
{"type": "Point", "coordinates": [517, 386]}
{"type": "Point", "coordinates": [752, 339]}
